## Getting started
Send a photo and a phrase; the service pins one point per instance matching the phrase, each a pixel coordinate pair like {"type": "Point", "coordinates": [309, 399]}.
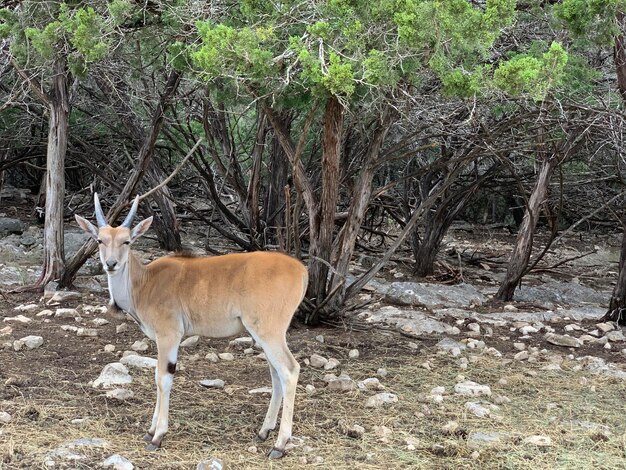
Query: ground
{"type": "Point", "coordinates": [49, 395]}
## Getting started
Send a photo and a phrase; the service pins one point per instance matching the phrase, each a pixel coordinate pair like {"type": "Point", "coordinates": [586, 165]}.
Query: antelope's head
{"type": "Point", "coordinates": [114, 242]}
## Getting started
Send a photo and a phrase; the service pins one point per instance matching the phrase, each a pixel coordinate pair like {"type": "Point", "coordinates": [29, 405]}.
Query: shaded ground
{"type": "Point", "coordinates": [47, 389]}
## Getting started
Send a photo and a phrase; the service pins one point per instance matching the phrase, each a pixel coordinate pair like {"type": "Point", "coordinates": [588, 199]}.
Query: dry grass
{"type": "Point", "coordinates": [222, 423]}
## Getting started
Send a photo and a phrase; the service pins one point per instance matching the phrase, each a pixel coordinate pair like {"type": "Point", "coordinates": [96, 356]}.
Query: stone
{"type": "Point", "coordinates": [382, 372]}
{"type": "Point", "coordinates": [319, 338]}
{"type": "Point", "coordinates": [310, 390]}
{"type": "Point", "coordinates": [318, 361]}
{"type": "Point", "coordinates": [554, 293]}
{"type": "Point", "coordinates": [331, 364]}
{"type": "Point", "coordinates": [381, 399]}
{"type": "Point", "coordinates": [371, 383]}
{"type": "Point", "coordinates": [433, 295]}
{"type": "Point", "coordinates": [10, 226]}
{"type": "Point", "coordinates": [18, 319]}
{"type": "Point", "coordinates": [226, 356]}
{"type": "Point", "coordinates": [66, 313]}
{"type": "Point", "coordinates": [63, 296]}
{"type": "Point", "coordinates": [563, 340]}
{"type": "Point", "coordinates": [87, 332]}
{"type": "Point", "coordinates": [450, 427]}
{"type": "Point", "coordinates": [605, 327]}
{"type": "Point", "coordinates": [71, 328]}
{"type": "Point", "coordinates": [212, 464]}
{"type": "Point", "coordinates": [343, 383]}
{"type": "Point", "coordinates": [140, 346]}
{"type": "Point", "coordinates": [118, 463]}
{"type": "Point", "coordinates": [519, 346]}
{"type": "Point", "coordinates": [242, 343]}
{"type": "Point", "coordinates": [525, 330]}
{"type": "Point", "coordinates": [122, 328]}
{"type": "Point", "coordinates": [212, 383]}
{"type": "Point", "coordinates": [32, 342]}
{"type": "Point", "coordinates": [521, 356]}
{"type": "Point", "coordinates": [438, 390]}
{"type": "Point", "coordinates": [354, 431]}
{"type": "Point", "coordinates": [212, 357]}
{"type": "Point", "coordinates": [477, 409]}
{"type": "Point", "coordinates": [100, 321]}
{"type": "Point", "coordinates": [469, 388]}
{"type": "Point", "coordinates": [261, 391]}
{"type": "Point", "coordinates": [45, 313]}
{"type": "Point", "coordinates": [6, 331]}
{"type": "Point", "coordinates": [26, 307]}
{"type": "Point", "coordinates": [448, 344]}
{"type": "Point", "coordinates": [115, 373]}
{"type": "Point", "coordinates": [5, 418]}
{"type": "Point", "coordinates": [139, 362]}
{"type": "Point", "coordinates": [190, 342]}
{"type": "Point", "coordinates": [478, 439]}
{"type": "Point", "coordinates": [412, 322]}
{"type": "Point", "coordinates": [538, 440]}
{"type": "Point", "coordinates": [120, 394]}
{"type": "Point", "coordinates": [353, 354]}
{"type": "Point", "coordinates": [616, 335]}
{"type": "Point", "coordinates": [475, 327]}
{"type": "Point", "coordinates": [510, 308]}
{"type": "Point", "coordinates": [501, 400]}
{"type": "Point", "coordinates": [109, 348]}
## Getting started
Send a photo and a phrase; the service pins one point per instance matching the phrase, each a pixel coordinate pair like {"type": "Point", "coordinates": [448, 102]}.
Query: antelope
{"type": "Point", "coordinates": [175, 296]}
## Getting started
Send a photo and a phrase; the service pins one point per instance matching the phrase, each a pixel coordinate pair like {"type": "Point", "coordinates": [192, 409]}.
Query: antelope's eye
{"type": "Point", "coordinates": [127, 242]}
{"type": "Point", "coordinates": [99, 242]}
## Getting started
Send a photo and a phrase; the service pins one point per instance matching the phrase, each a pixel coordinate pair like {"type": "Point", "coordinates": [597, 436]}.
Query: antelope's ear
{"type": "Point", "coordinates": [141, 228]}
{"type": "Point", "coordinates": [89, 228]}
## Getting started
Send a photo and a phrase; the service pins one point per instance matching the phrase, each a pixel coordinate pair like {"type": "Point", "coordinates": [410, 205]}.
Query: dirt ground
{"type": "Point", "coordinates": [47, 391]}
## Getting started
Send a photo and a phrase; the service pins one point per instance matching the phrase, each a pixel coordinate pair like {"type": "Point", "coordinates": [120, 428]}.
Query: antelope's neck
{"type": "Point", "coordinates": [124, 284]}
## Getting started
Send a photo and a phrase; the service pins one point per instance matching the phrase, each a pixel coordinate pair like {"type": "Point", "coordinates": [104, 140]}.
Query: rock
{"type": "Point", "coordinates": [5, 418]}
{"type": "Point", "coordinates": [438, 391]}
{"type": "Point", "coordinates": [319, 338]}
{"type": "Point", "coordinates": [343, 383]}
{"type": "Point", "coordinates": [447, 344]}
{"type": "Point", "coordinates": [617, 335]}
{"type": "Point", "coordinates": [10, 226]}
{"type": "Point", "coordinates": [73, 242]}
{"type": "Point", "coordinates": [260, 391]}
{"type": "Point", "coordinates": [501, 400]}
{"type": "Point", "coordinates": [120, 394]}
{"type": "Point", "coordinates": [45, 313]}
{"type": "Point", "coordinates": [212, 357]}
{"type": "Point", "coordinates": [122, 328]}
{"type": "Point", "coordinates": [87, 332]}
{"type": "Point", "coordinates": [18, 319]}
{"type": "Point", "coordinates": [6, 331]}
{"type": "Point", "coordinates": [539, 441]}
{"type": "Point", "coordinates": [477, 409]}
{"type": "Point", "coordinates": [118, 463]}
{"type": "Point", "coordinates": [331, 364]}
{"type": "Point", "coordinates": [100, 321]}
{"type": "Point", "coordinates": [382, 372]}
{"type": "Point", "coordinates": [450, 427]}
{"type": "Point", "coordinates": [433, 295]}
{"type": "Point", "coordinates": [212, 464]}
{"type": "Point", "coordinates": [310, 390]}
{"type": "Point", "coordinates": [318, 361]}
{"type": "Point", "coordinates": [519, 346]}
{"type": "Point", "coordinates": [66, 313]}
{"type": "Point", "coordinates": [469, 388]}
{"type": "Point", "coordinates": [71, 328]}
{"type": "Point", "coordinates": [32, 342]}
{"type": "Point", "coordinates": [381, 399]}
{"type": "Point", "coordinates": [212, 383]}
{"type": "Point", "coordinates": [475, 327]}
{"type": "Point", "coordinates": [597, 365]}
{"type": "Point", "coordinates": [190, 342]}
{"type": "Point", "coordinates": [605, 327]}
{"type": "Point", "coordinates": [521, 356]}
{"type": "Point", "coordinates": [510, 308]}
{"type": "Point", "coordinates": [140, 346]}
{"type": "Point", "coordinates": [109, 348]}
{"type": "Point", "coordinates": [554, 293]}
{"type": "Point", "coordinates": [63, 296]}
{"type": "Point", "coordinates": [248, 351]}
{"type": "Point", "coordinates": [242, 343]}
{"type": "Point", "coordinates": [382, 431]}
{"type": "Point", "coordinates": [525, 330]}
{"type": "Point", "coordinates": [563, 340]}
{"type": "Point", "coordinates": [129, 353]}
{"type": "Point", "coordinates": [412, 322]}
{"type": "Point", "coordinates": [140, 362]}
{"type": "Point", "coordinates": [115, 373]}
{"type": "Point", "coordinates": [253, 449]}
{"type": "Point", "coordinates": [26, 308]}
{"type": "Point", "coordinates": [477, 439]}
{"type": "Point", "coordinates": [353, 354]}
{"type": "Point", "coordinates": [354, 431]}
{"type": "Point", "coordinates": [371, 383]}
{"type": "Point", "coordinates": [226, 356]}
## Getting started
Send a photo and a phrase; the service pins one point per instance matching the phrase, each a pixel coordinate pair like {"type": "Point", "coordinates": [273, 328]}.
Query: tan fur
{"type": "Point", "coordinates": [217, 296]}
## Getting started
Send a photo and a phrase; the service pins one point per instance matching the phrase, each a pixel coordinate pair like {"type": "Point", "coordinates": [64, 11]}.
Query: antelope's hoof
{"type": "Point", "coordinates": [262, 436]}
{"type": "Point", "coordinates": [148, 437]}
{"type": "Point", "coordinates": [275, 454]}
{"type": "Point", "coordinates": [152, 447]}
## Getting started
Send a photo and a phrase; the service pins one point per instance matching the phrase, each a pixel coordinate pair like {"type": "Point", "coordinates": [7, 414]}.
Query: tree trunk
{"type": "Point", "coordinates": [321, 246]}
{"type": "Point", "coordinates": [166, 223]}
{"type": "Point", "coordinates": [59, 108]}
{"type": "Point", "coordinates": [524, 243]}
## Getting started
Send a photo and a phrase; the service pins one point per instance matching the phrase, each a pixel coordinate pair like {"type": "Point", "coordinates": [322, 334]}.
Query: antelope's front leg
{"type": "Point", "coordinates": [164, 377]}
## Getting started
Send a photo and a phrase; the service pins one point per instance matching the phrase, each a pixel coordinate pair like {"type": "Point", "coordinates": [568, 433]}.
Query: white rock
{"type": "Point", "coordinates": [477, 409]}
{"type": "Point", "coordinates": [319, 338]}
{"type": "Point", "coordinates": [537, 440]}
{"type": "Point", "coordinates": [71, 328]}
{"type": "Point", "coordinates": [521, 356]}
{"type": "Point", "coordinates": [226, 356]}
{"type": "Point", "coordinates": [190, 342]}
{"type": "Point", "coordinates": [212, 383]}
{"type": "Point", "coordinates": [469, 388]}
{"type": "Point", "coordinates": [120, 394]}
{"type": "Point", "coordinates": [122, 328]}
{"type": "Point", "coordinates": [343, 383]}
{"type": "Point", "coordinates": [212, 357]}
{"type": "Point", "coordinates": [5, 417]}
{"type": "Point", "coordinates": [318, 361]}
{"type": "Point", "coordinates": [18, 319]}
{"type": "Point", "coordinates": [510, 308]}
{"type": "Point", "coordinates": [617, 335]}
{"type": "Point", "coordinates": [32, 342]}
{"type": "Point", "coordinates": [66, 313]}
{"type": "Point", "coordinates": [605, 327]}
{"type": "Point", "coordinates": [213, 464]}
{"type": "Point", "coordinates": [260, 391]}
{"type": "Point", "coordinates": [381, 399]}
{"type": "Point", "coordinates": [6, 331]}
{"type": "Point", "coordinates": [140, 346]}
{"type": "Point", "coordinates": [118, 463]}
{"type": "Point", "coordinates": [45, 313]}
{"type": "Point", "coordinates": [140, 362]}
{"type": "Point", "coordinates": [87, 332]}
{"type": "Point", "coordinates": [563, 340]}
{"type": "Point", "coordinates": [519, 346]}
{"type": "Point", "coordinates": [242, 343]}
{"type": "Point", "coordinates": [310, 390]}
{"type": "Point", "coordinates": [353, 354]}
{"type": "Point", "coordinates": [18, 345]}
{"type": "Point", "coordinates": [331, 364]}
{"type": "Point", "coordinates": [129, 353]}
{"type": "Point", "coordinates": [109, 348]}
{"type": "Point", "coordinates": [371, 383]}
{"type": "Point", "coordinates": [26, 308]}
{"type": "Point", "coordinates": [525, 330]}
{"type": "Point", "coordinates": [115, 373]}
{"type": "Point", "coordinates": [475, 327]}
{"type": "Point", "coordinates": [382, 372]}
{"type": "Point", "coordinates": [100, 321]}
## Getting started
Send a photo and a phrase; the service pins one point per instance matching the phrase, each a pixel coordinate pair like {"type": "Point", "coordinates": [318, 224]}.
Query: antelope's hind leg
{"type": "Point", "coordinates": [271, 417]}
{"type": "Point", "coordinates": [167, 347]}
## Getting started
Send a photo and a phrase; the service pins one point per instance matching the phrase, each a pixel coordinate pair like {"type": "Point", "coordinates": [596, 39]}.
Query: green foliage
{"type": "Point", "coordinates": [591, 19]}
{"type": "Point", "coordinates": [535, 76]}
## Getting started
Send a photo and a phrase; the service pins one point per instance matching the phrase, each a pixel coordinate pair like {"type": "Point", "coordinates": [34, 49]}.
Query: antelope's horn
{"type": "Point", "coordinates": [131, 215]}
{"type": "Point", "coordinates": [102, 221]}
